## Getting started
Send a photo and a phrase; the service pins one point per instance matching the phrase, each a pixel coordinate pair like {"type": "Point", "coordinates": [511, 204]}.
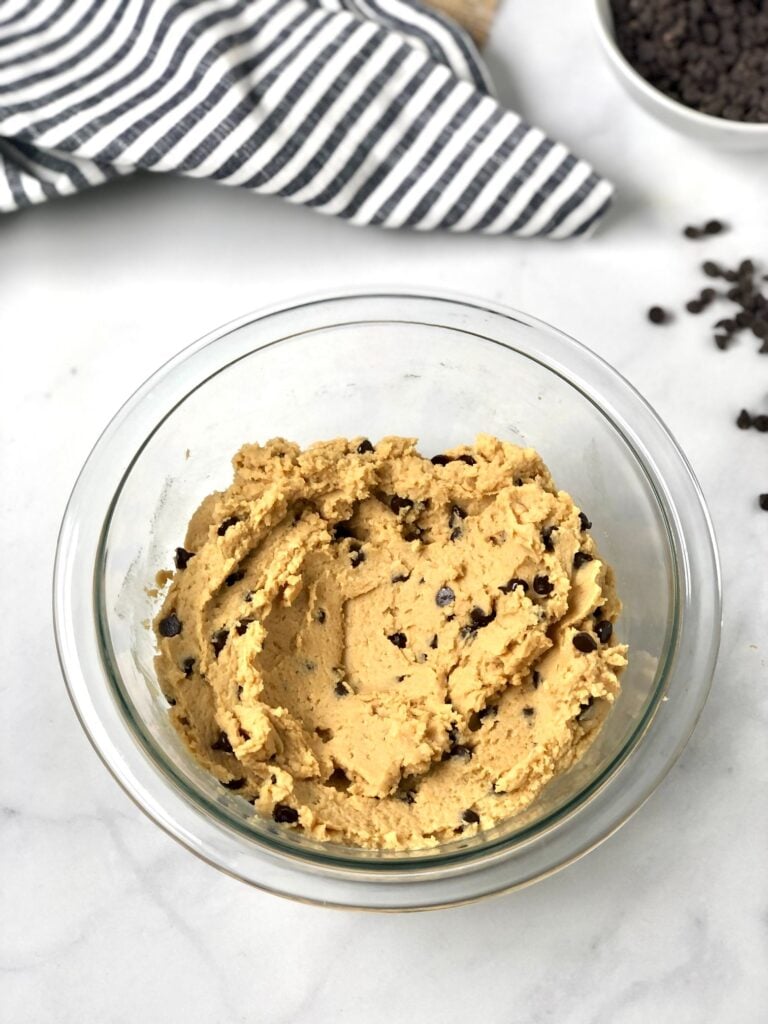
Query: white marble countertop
{"type": "Point", "coordinates": [103, 917]}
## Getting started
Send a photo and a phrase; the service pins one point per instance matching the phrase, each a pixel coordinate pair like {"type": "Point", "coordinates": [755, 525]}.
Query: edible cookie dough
{"type": "Point", "coordinates": [387, 650]}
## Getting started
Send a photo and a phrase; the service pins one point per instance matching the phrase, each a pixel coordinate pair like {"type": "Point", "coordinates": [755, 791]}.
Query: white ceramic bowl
{"type": "Point", "coordinates": [716, 131]}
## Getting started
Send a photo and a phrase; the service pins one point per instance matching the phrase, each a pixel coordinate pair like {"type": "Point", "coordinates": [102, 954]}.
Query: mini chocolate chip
{"type": "Point", "coordinates": [399, 679]}
{"type": "Point", "coordinates": [657, 315]}
{"type": "Point", "coordinates": [542, 586]}
{"type": "Point", "coordinates": [433, 642]}
{"type": "Point", "coordinates": [398, 639]}
{"type": "Point", "coordinates": [727, 325]}
{"type": "Point", "coordinates": [401, 577]}
{"type": "Point", "coordinates": [580, 558]}
{"type": "Point", "coordinates": [412, 533]}
{"type": "Point", "coordinates": [480, 619]}
{"type": "Point", "coordinates": [460, 750]}
{"type": "Point", "coordinates": [744, 420]}
{"type": "Point", "coordinates": [341, 689]}
{"type": "Point", "coordinates": [721, 340]}
{"type": "Point", "coordinates": [182, 557]}
{"type": "Point", "coordinates": [234, 784]}
{"type": "Point", "coordinates": [604, 630]}
{"type": "Point", "coordinates": [187, 665]}
{"type": "Point", "coordinates": [694, 306]}
{"type": "Point", "coordinates": [171, 702]}
{"type": "Point", "coordinates": [692, 232]}
{"type": "Point", "coordinates": [218, 640]}
{"type": "Point", "coordinates": [546, 538]}
{"type": "Point", "coordinates": [746, 268]}
{"type": "Point", "coordinates": [712, 269]}
{"type": "Point", "coordinates": [707, 295]}
{"type": "Point", "coordinates": [470, 460]}
{"type": "Point", "coordinates": [529, 712]}
{"type": "Point", "coordinates": [456, 532]}
{"type": "Point", "coordinates": [598, 612]}
{"type": "Point", "coordinates": [285, 815]}
{"type": "Point", "coordinates": [235, 577]}
{"type": "Point", "coordinates": [743, 319]}
{"type": "Point", "coordinates": [474, 721]}
{"type": "Point", "coordinates": [584, 522]}
{"type": "Point", "coordinates": [762, 501]}
{"type": "Point", "coordinates": [444, 596]}
{"type": "Point", "coordinates": [320, 616]}
{"type": "Point", "coordinates": [364, 447]}
{"type": "Point", "coordinates": [714, 227]}
{"type": "Point", "coordinates": [169, 626]}
{"type": "Point", "coordinates": [440, 460]}
{"type": "Point", "coordinates": [398, 504]}
{"type": "Point", "coordinates": [342, 530]}
{"type": "Point", "coordinates": [222, 744]}
{"type": "Point", "coordinates": [471, 817]}
{"type": "Point", "coordinates": [457, 512]}
{"type": "Point", "coordinates": [584, 642]}
{"type": "Point", "coordinates": [760, 423]}
{"type": "Point", "coordinates": [242, 627]}
{"type": "Point", "coordinates": [513, 584]}
{"type": "Point", "coordinates": [535, 679]}
{"type": "Point", "coordinates": [356, 556]}
{"type": "Point", "coordinates": [226, 524]}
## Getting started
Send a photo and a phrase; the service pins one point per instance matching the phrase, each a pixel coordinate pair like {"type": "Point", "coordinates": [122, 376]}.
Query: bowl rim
{"type": "Point", "coordinates": [70, 666]}
{"type": "Point", "coordinates": [603, 20]}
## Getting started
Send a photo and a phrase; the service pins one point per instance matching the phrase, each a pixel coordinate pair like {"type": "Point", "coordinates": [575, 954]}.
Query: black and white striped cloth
{"type": "Point", "coordinates": [377, 111]}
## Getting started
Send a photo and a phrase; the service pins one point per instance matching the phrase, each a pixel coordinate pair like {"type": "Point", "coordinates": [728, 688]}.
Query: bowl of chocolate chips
{"type": "Point", "coordinates": [698, 66]}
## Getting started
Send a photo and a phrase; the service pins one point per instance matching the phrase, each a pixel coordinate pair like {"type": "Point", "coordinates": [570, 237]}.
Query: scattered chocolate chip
{"type": "Point", "coordinates": [218, 640]}
{"type": "Point", "coordinates": [657, 315]}
{"type": "Point", "coordinates": [714, 227]}
{"type": "Point", "coordinates": [542, 586]}
{"type": "Point", "coordinates": [364, 447]}
{"type": "Point", "coordinates": [694, 306]}
{"type": "Point", "coordinates": [546, 538]}
{"type": "Point", "coordinates": [457, 512]}
{"type": "Point", "coordinates": [471, 817]}
{"type": "Point", "coordinates": [480, 619]}
{"type": "Point", "coordinates": [440, 460]}
{"type": "Point", "coordinates": [584, 642]}
{"type": "Point", "coordinates": [604, 631]}
{"type": "Point", "coordinates": [726, 325]}
{"type": "Point", "coordinates": [529, 712]}
{"type": "Point", "coordinates": [692, 232]}
{"type": "Point", "coordinates": [171, 702]}
{"type": "Point", "coordinates": [169, 626]}
{"type": "Point", "coordinates": [584, 522]}
{"type": "Point", "coordinates": [518, 481]}
{"type": "Point", "coordinates": [707, 295]}
{"type": "Point", "coordinates": [242, 627]}
{"type": "Point", "coordinates": [712, 269]}
{"type": "Point", "coordinates": [235, 577]}
{"type": "Point", "coordinates": [746, 268]}
{"type": "Point", "coordinates": [413, 532]}
{"type": "Point", "coordinates": [356, 556]}
{"type": "Point", "coordinates": [433, 642]}
{"type": "Point", "coordinates": [743, 420]}
{"type": "Point", "coordinates": [762, 501]}
{"type": "Point", "coordinates": [444, 596]}
{"type": "Point", "coordinates": [721, 340]}
{"type": "Point", "coordinates": [182, 557]}
{"type": "Point", "coordinates": [285, 815]}
{"type": "Point", "coordinates": [186, 667]}
{"type": "Point", "coordinates": [461, 751]}
{"type": "Point", "coordinates": [513, 584]}
{"type": "Point", "coordinates": [226, 524]}
{"type": "Point", "coordinates": [234, 784]}
{"type": "Point", "coordinates": [398, 504]}
{"type": "Point", "coordinates": [341, 689]}
{"type": "Point", "coordinates": [470, 460]}
{"type": "Point", "coordinates": [398, 639]}
{"type": "Point", "coordinates": [399, 679]}
{"type": "Point", "coordinates": [760, 423]}
{"type": "Point", "coordinates": [580, 558]}
{"type": "Point", "coordinates": [222, 744]}
{"type": "Point", "coordinates": [401, 577]}
{"type": "Point", "coordinates": [455, 533]}
{"type": "Point", "coordinates": [320, 616]}
{"type": "Point", "coordinates": [343, 530]}
{"type": "Point", "coordinates": [598, 612]}
{"type": "Point", "coordinates": [535, 679]}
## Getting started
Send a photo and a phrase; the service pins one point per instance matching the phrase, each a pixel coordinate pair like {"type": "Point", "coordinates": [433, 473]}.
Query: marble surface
{"type": "Point", "coordinates": [104, 918]}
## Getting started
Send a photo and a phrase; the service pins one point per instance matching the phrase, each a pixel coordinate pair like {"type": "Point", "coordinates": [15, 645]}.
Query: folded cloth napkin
{"type": "Point", "coordinates": [377, 111]}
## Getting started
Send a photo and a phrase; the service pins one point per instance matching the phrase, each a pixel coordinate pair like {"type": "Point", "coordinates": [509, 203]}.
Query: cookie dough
{"type": "Point", "coordinates": [387, 650]}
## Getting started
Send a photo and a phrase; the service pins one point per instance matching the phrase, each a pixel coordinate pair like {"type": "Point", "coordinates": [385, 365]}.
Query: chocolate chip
{"type": "Point", "coordinates": [169, 626]}
{"type": "Point", "coordinates": [234, 784]}
{"type": "Point", "coordinates": [226, 524]}
{"type": "Point", "coordinates": [712, 269]}
{"type": "Point", "coordinates": [401, 577]}
{"type": "Point", "coordinates": [457, 512]}
{"type": "Point", "coordinates": [356, 556]}
{"type": "Point", "coordinates": [440, 460]}
{"type": "Point", "coordinates": [471, 817]}
{"type": "Point", "coordinates": [584, 522]}
{"type": "Point", "coordinates": [468, 459]}
{"type": "Point", "coordinates": [285, 815]}
{"type": "Point", "coordinates": [364, 447]}
{"type": "Point", "coordinates": [218, 640]}
{"type": "Point", "coordinates": [398, 504]}
{"type": "Point", "coordinates": [762, 501]}
{"type": "Point", "coordinates": [584, 642]}
{"type": "Point", "coordinates": [398, 639]}
{"type": "Point", "coordinates": [694, 306]}
{"type": "Point", "coordinates": [455, 533]}
{"type": "Point", "coordinates": [598, 612]}
{"type": "Point", "coordinates": [714, 227]}
{"type": "Point", "coordinates": [658, 315]}
{"type": "Point", "coordinates": [182, 557]}
{"type": "Point", "coordinates": [222, 744]}
{"type": "Point", "coordinates": [760, 423]}
{"type": "Point", "coordinates": [171, 702]}
{"type": "Point", "coordinates": [342, 530]}
{"type": "Point", "coordinates": [433, 642]}
{"type": "Point", "coordinates": [186, 666]}
{"type": "Point", "coordinates": [529, 712]}
{"type": "Point", "coordinates": [746, 268]}
{"type": "Point", "coordinates": [707, 295]}
{"type": "Point", "coordinates": [744, 420]}
{"type": "Point", "coordinates": [604, 631]}
{"type": "Point", "coordinates": [535, 679]}
{"type": "Point", "coordinates": [580, 558]}
{"type": "Point", "coordinates": [461, 751]}
{"type": "Point", "coordinates": [413, 533]}
{"type": "Point", "coordinates": [692, 232]}
{"type": "Point", "coordinates": [320, 616]}
{"type": "Point", "coordinates": [444, 596]}
{"type": "Point", "coordinates": [242, 627]}
{"type": "Point", "coordinates": [727, 325]}
{"type": "Point", "coordinates": [235, 577]}
{"type": "Point", "coordinates": [480, 619]}
{"type": "Point", "coordinates": [721, 340]}
{"type": "Point", "coordinates": [542, 586]}
{"type": "Point", "coordinates": [341, 689]}
{"type": "Point", "coordinates": [513, 584]}
{"type": "Point", "coordinates": [546, 538]}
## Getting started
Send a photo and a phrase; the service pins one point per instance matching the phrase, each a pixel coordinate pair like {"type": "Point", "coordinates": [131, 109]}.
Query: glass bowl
{"type": "Point", "coordinates": [443, 370]}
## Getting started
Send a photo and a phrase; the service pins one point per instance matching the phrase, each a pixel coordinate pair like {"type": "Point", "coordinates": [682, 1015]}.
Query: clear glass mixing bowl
{"type": "Point", "coordinates": [440, 369]}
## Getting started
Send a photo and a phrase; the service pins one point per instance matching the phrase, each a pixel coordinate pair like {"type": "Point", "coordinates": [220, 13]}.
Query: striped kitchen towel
{"type": "Point", "coordinates": [377, 111]}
